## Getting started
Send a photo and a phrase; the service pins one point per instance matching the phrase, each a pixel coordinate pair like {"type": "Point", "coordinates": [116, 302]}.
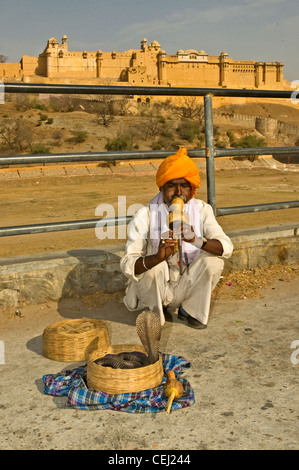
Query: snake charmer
{"type": "Point", "coordinates": [159, 275]}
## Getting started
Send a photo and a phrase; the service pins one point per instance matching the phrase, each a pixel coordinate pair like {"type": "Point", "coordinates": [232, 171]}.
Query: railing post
{"type": "Point", "coordinates": [210, 164]}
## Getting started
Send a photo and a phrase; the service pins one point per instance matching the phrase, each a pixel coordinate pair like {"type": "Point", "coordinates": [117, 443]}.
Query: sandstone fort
{"type": "Point", "coordinates": [148, 66]}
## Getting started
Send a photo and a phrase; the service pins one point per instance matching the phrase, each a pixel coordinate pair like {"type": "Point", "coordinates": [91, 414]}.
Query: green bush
{"type": "Point", "coordinates": [231, 137]}
{"type": "Point", "coordinates": [37, 105]}
{"type": "Point", "coordinates": [43, 117]}
{"type": "Point", "coordinates": [80, 136]}
{"type": "Point", "coordinates": [50, 121]}
{"type": "Point", "coordinates": [40, 148]}
{"type": "Point", "coordinates": [120, 143]}
{"type": "Point", "coordinates": [220, 144]}
{"type": "Point", "coordinates": [249, 141]}
{"type": "Point", "coordinates": [156, 145]}
{"type": "Point", "coordinates": [201, 140]}
{"type": "Point", "coordinates": [166, 132]}
{"type": "Point", "coordinates": [188, 130]}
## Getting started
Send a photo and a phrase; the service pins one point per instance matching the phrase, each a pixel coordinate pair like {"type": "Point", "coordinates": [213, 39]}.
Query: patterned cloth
{"type": "Point", "coordinates": [72, 384]}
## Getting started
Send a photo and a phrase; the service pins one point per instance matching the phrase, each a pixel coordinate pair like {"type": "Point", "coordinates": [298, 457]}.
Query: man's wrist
{"type": "Point", "coordinates": [199, 242]}
{"type": "Point", "coordinates": [150, 261]}
{"type": "Point", "coordinates": [143, 263]}
{"type": "Point", "coordinates": [204, 242]}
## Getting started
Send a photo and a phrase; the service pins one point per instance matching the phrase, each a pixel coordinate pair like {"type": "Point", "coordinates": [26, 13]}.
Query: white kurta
{"type": "Point", "coordinates": [163, 285]}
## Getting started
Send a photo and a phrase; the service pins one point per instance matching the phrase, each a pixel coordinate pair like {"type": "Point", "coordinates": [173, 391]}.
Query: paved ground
{"type": "Point", "coordinates": [243, 371]}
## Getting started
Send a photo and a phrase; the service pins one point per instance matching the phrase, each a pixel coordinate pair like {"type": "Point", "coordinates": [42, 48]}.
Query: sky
{"type": "Point", "coordinates": [261, 30]}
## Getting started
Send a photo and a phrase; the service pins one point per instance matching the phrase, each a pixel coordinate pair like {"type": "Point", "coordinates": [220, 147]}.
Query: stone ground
{"type": "Point", "coordinates": [244, 373]}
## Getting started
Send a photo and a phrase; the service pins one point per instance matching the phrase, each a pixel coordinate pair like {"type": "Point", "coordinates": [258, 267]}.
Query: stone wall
{"type": "Point", "coordinates": [241, 120]}
{"type": "Point", "coordinates": [12, 70]}
{"type": "Point", "coordinates": [269, 127]}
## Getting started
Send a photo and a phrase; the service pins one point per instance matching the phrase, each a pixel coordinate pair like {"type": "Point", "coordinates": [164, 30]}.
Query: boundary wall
{"type": "Point", "coordinates": [266, 126]}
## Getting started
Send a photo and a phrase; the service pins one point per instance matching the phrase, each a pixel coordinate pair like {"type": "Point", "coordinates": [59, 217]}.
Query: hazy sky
{"type": "Point", "coordinates": [263, 30]}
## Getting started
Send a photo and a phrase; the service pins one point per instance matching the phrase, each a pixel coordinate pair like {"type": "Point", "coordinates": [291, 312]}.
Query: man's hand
{"type": "Point", "coordinates": [165, 250]}
{"type": "Point", "coordinates": [166, 246]}
{"type": "Point", "coordinates": [185, 231]}
{"type": "Point", "coordinates": [188, 235]}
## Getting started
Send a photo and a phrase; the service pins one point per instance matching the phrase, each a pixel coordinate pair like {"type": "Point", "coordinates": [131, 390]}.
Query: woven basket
{"type": "Point", "coordinates": [74, 340]}
{"type": "Point", "coordinates": [114, 381]}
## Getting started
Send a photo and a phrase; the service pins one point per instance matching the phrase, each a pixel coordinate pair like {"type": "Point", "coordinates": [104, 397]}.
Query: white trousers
{"type": "Point", "coordinates": [192, 290]}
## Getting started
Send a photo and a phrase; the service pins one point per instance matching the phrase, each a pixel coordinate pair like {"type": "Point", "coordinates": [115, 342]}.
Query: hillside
{"type": "Point", "coordinates": [66, 124]}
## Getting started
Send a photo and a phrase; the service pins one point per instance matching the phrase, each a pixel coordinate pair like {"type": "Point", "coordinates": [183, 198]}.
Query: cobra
{"type": "Point", "coordinates": [124, 360]}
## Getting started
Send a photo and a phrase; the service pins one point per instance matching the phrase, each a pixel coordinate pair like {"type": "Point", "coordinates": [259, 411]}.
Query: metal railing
{"type": "Point", "coordinates": [209, 152]}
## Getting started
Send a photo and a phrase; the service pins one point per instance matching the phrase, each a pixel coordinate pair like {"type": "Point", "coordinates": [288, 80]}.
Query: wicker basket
{"type": "Point", "coordinates": [114, 381]}
{"type": "Point", "coordinates": [74, 340]}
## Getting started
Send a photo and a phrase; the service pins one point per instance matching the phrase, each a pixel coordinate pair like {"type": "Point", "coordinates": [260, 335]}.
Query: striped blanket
{"type": "Point", "coordinates": [72, 384]}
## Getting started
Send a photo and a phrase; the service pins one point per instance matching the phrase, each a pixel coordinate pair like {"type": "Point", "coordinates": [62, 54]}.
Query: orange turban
{"type": "Point", "coordinates": [176, 166]}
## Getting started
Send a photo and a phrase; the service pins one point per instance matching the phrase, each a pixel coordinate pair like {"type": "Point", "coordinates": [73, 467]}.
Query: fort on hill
{"type": "Point", "coordinates": [148, 66]}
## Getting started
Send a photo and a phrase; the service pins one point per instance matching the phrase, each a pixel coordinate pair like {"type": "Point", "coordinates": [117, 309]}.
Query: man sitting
{"type": "Point", "coordinates": [157, 276]}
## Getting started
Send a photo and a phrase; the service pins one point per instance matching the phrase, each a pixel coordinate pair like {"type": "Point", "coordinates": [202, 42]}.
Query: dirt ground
{"type": "Point", "coordinates": [69, 198]}
{"type": "Point", "coordinates": [251, 283]}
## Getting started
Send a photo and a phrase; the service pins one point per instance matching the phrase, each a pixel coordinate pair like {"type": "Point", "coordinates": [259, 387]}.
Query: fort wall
{"type": "Point", "coordinates": [266, 126]}
{"type": "Point", "coordinates": [10, 70]}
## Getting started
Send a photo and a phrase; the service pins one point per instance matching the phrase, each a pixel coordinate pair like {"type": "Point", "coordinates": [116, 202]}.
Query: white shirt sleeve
{"type": "Point", "coordinates": [211, 229]}
{"type": "Point", "coordinates": [137, 243]}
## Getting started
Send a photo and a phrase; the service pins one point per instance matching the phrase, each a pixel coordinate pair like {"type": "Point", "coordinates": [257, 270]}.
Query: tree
{"type": "Point", "coordinates": [3, 58]}
{"type": "Point", "coordinates": [17, 136]}
{"type": "Point", "coordinates": [189, 107]}
{"type": "Point", "coordinates": [105, 110]}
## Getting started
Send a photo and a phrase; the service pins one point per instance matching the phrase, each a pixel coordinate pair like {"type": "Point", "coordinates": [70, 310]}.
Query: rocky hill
{"type": "Point", "coordinates": [63, 124]}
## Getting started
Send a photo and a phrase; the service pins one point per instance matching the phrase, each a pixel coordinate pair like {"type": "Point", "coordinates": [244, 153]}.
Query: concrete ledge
{"type": "Point", "coordinates": [39, 278]}
{"type": "Point", "coordinates": [52, 276]}
{"type": "Point", "coordinates": [258, 248]}
{"type": "Point", "coordinates": [137, 167]}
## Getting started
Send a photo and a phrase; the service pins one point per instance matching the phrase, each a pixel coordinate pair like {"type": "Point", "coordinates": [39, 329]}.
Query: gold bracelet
{"type": "Point", "coordinates": [144, 265]}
